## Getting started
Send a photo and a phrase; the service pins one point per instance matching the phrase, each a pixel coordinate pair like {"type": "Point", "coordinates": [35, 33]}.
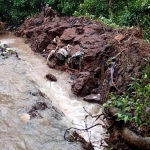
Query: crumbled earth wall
{"type": "Point", "coordinates": [101, 47]}
{"type": "Point", "coordinates": [2, 27]}
{"type": "Point", "coordinates": [102, 44]}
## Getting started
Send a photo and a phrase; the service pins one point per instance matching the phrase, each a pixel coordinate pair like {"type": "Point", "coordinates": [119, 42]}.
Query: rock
{"type": "Point", "coordinates": [69, 34]}
{"type": "Point", "coordinates": [93, 98]}
{"type": "Point", "coordinates": [51, 77]}
{"type": "Point", "coordinates": [119, 37]}
{"type": "Point", "coordinates": [41, 43]}
{"type": "Point", "coordinates": [39, 106]}
{"type": "Point", "coordinates": [79, 31]}
{"type": "Point", "coordinates": [84, 84]}
{"type": "Point", "coordinates": [25, 117]}
{"type": "Point", "coordinates": [2, 27]}
{"type": "Point", "coordinates": [27, 33]}
{"type": "Point", "coordinates": [33, 112]}
{"type": "Point", "coordinates": [52, 64]}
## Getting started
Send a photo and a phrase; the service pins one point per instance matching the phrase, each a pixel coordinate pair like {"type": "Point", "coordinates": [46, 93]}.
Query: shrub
{"type": "Point", "coordinates": [132, 106]}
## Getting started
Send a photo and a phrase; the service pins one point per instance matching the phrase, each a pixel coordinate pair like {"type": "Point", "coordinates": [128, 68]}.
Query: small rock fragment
{"type": "Point", "coordinates": [25, 117]}
{"type": "Point", "coordinates": [51, 77]}
{"type": "Point", "coordinates": [93, 98]}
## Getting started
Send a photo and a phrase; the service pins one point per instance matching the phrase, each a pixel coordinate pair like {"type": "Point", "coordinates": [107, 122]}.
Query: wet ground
{"type": "Point", "coordinates": [23, 85]}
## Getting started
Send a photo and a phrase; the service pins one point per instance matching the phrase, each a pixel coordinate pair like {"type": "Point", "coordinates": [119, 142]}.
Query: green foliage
{"type": "Point", "coordinates": [15, 11]}
{"type": "Point", "coordinates": [10, 50]}
{"type": "Point", "coordinates": [132, 105]}
{"type": "Point", "coordinates": [68, 6]}
{"type": "Point", "coordinates": [116, 12]}
{"type": "Point", "coordinates": [93, 7]}
{"type": "Point", "coordinates": [107, 22]}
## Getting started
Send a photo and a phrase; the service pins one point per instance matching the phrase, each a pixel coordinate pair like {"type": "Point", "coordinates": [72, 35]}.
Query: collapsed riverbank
{"type": "Point", "coordinates": [101, 47]}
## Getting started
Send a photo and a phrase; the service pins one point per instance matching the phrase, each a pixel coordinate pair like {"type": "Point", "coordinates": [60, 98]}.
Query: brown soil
{"type": "Point", "coordinates": [101, 46]}
{"type": "Point", "coordinates": [2, 27]}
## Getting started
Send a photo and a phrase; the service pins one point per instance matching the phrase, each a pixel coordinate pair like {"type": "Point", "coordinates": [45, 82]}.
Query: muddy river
{"type": "Point", "coordinates": [21, 82]}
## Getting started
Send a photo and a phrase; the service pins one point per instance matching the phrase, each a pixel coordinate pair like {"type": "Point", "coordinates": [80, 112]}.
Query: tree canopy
{"type": "Point", "coordinates": [121, 12]}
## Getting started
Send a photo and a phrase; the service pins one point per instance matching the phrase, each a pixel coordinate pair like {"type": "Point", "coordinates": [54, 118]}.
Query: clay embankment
{"type": "Point", "coordinates": [99, 45]}
{"type": "Point", "coordinates": [102, 46]}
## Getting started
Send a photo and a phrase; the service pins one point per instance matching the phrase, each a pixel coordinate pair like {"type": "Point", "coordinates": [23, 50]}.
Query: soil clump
{"type": "Point", "coordinates": [2, 27]}
{"type": "Point", "coordinates": [111, 57]}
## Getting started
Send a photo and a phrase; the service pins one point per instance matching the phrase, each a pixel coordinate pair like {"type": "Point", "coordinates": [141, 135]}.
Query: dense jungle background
{"type": "Point", "coordinates": [111, 12]}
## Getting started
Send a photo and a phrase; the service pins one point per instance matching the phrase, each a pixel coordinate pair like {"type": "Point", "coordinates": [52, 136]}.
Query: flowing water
{"type": "Point", "coordinates": [20, 83]}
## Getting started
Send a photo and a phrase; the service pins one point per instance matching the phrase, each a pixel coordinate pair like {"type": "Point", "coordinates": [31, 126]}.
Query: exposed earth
{"type": "Point", "coordinates": [102, 47]}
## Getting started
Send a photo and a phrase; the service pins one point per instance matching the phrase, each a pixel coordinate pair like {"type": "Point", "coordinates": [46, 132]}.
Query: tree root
{"type": "Point", "coordinates": [72, 134]}
{"type": "Point", "coordinates": [141, 143]}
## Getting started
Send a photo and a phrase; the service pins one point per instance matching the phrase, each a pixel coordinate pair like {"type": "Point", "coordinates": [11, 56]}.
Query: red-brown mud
{"type": "Point", "coordinates": [2, 27]}
{"type": "Point", "coordinates": [102, 46]}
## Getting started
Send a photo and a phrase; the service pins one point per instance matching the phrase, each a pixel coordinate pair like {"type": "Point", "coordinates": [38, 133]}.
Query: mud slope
{"type": "Point", "coordinates": [111, 56]}
{"type": "Point", "coordinates": [100, 45]}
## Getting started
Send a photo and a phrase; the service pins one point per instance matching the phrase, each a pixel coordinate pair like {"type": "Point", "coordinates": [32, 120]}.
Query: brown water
{"type": "Point", "coordinates": [18, 80]}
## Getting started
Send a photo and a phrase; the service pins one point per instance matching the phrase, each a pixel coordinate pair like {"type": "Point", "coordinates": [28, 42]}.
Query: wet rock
{"type": "Point", "coordinates": [38, 106]}
{"type": "Point", "coordinates": [52, 64]}
{"type": "Point", "coordinates": [69, 34]}
{"type": "Point", "coordinates": [84, 84]}
{"type": "Point", "coordinates": [25, 117]}
{"type": "Point", "coordinates": [51, 77]}
{"type": "Point", "coordinates": [93, 98]}
{"type": "Point", "coordinates": [37, 93]}
{"type": "Point", "coordinates": [41, 42]}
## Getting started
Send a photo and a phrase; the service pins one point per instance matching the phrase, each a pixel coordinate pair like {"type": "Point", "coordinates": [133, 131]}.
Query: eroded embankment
{"type": "Point", "coordinates": [99, 44]}
{"type": "Point", "coordinates": [111, 57]}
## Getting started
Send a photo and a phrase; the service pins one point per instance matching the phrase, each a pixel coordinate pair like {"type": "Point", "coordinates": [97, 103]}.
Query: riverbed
{"type": "Point", "coordinates": [20, 79]}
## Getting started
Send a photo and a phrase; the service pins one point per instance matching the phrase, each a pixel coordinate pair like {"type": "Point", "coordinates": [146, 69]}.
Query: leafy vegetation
{"type": "Point", "coordinates": [15, 11]}
{"type": "Point", "coordinates": [112, 12]}
{"type": "Point", "coordinates": [115, 12]}
{"type": "Point", "coordinates": [133, 106]}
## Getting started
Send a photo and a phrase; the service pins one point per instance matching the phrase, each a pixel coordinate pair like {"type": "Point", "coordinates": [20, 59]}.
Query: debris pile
{"type": "Point", "coordinates": [101, 59]}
